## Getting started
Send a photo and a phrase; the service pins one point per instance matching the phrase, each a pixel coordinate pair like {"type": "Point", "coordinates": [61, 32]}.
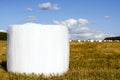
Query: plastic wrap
{"type": "Point", "coordinates": [36, 48]}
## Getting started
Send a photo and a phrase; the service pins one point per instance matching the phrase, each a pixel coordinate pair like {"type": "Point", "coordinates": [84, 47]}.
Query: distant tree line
{"type": "Point", "coordinates": [3, 36]}
{"type": "Point", "coordinates": [112, 38]}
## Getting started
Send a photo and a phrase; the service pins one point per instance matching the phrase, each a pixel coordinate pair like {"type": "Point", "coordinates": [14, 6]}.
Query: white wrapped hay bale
{"type": "Point", "coordinates": [100, 40]}
{"type": "Point", "coordinates": [91, 40]}
{"type": "Point", "coordinates": [70, 40]}
{"type": "Point", "coordinates": [79, 40]}
{"type": "Point", "coordinates": [36, 48]}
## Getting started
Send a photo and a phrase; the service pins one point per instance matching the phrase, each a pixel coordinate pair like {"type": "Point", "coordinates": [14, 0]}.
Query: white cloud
{"type": "Point", "coordinates": [79, 30]}
{"type": "Point", "coordinates": [83, 21]}
{"type": "Point", "coordinates": [31, 19]}
{"type": "Point", "coordinates": [84, 29]}
{"type": "Point", "coordinates": [87, 34]}
{"type": "Point", "coordinates": [48, 5]}
{"type": "Point", "coordinates": [69, 23]}
{"type": "Point", "coordinates": [72, 22]}
{"type": "Point", "coordinates": [106, 17]}
{"type": "Point", "coordinates": [56, 22]}
{"type": "Point", "coordinates": [55, 7]}
{"type": "Point", "coordinates": [29, 10]}
{"type": "Point", "coordinates": [3, 31]}
{"type": "Point", "coordinates": [99, 35]}
{"type": "Point", "coordinates": [45, 6]}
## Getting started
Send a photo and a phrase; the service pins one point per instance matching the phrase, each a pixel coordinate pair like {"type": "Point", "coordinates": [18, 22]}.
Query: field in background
{"type": "Point", "coordinates": [88, 61]}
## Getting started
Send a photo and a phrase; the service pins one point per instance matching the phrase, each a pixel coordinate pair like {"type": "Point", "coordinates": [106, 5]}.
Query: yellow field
{"type": "Point", "coordinates": [88, 61]}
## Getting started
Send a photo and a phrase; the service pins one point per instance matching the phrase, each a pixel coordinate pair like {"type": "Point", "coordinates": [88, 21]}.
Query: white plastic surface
{"type": "Point", "coordinates": [36, 48]}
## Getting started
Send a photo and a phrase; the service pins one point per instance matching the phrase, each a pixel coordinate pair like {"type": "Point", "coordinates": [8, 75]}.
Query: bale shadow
{"type": "Point", "coordinates": [4, 65]}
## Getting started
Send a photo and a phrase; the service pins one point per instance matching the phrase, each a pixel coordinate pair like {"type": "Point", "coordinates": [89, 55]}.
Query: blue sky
{"type": "Point", "coordinates": [86, 19]}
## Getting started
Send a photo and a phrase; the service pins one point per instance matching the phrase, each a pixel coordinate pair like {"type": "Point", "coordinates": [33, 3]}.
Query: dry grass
{"type": "Point", "coordinates": [88, 61]}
